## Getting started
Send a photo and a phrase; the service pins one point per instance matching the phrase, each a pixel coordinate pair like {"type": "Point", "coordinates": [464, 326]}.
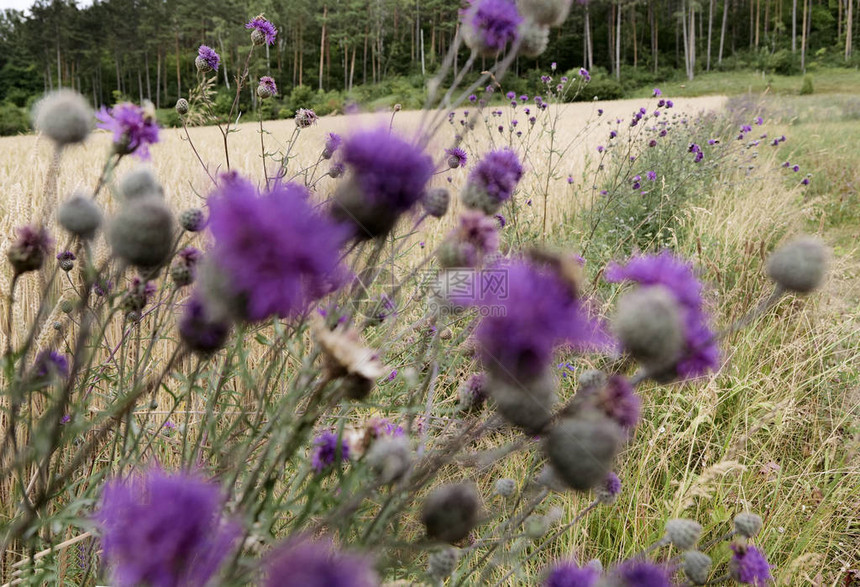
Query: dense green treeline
{"type": "Point", "coordinates": [145, 49]}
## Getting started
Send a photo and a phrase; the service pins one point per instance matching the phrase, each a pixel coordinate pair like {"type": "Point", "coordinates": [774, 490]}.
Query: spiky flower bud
{"type": "Point", "coordinates": [305, 117]}
{"type": "Point", "coordinates": [473, 392]}
{"type": "Point", "coordinates": [436, 202]}
{"type": "Point", "coordinates": [192, 220]}
{"type": "Point", "coordinates": [142, 233]}
{"type": "Point", "coordinates": [203, 65]}
{"type": "Point", "coordinates": [390, 457]}
{"type": "Point", "coordinates": [140, 183]}
{"type": "Point", "coordinates": [545, 12]}
{"type": "Point", "coordinates": [524, 404]}
{"type": "Point", "coordinates": [506, 487]}
{"type": "Point", "coordinates": [258, 37]}
{"type": "Point", "coordinates": [28, 252]}
{"type": "Point", "coordinates": [200, 331]}
{"type": "Point", "coordinates": [182, 106]}
{"type": "Point", "coordinates": [64, 116]}
{"type": "Point", "coordinates": [747, 524]}
{"type": "Point", "coordinates": [536, 526]}
{"type": "Point", "coordinates": [799, 265]}
{"type": "Point", "coordinates": [66, 260]}
{"type": "Point", "coordinates": [683, 533]}
{"type": "Point", "coordinates": [581, 449]}
{"type": "Point", "coordinates": [697, 566]}
{"type": "Point", "coordinates": [441, 563]}
{"type": "Point", "coordinates": [648, 324]}
{"type": "Point", "coordinates": [80, 215]}
{"type": "Point", "coordinates": [67, 306]}
{"type": "Point", "coordinates": [181, 274]}
{"type": "Point", "coordinates": [263, 92]}
{"type": "Point", "coordinates": [451, 511]}
{"type": "Point", "coordinates": [535, 38]}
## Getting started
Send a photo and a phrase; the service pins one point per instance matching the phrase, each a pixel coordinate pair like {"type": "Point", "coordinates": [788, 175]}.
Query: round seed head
{"type": "Point", "coordinates": [140, 183]}
{"type": "Point", "coordinates": [67, 306]}
{"type": "Point", "coordinates": [545, 12]}
{"type": "Point", "coordinates": [648, 324]}
{"type": "Point", "coordinates": [536, 526]}
{"type": "Point", "coordinates": [436, 202]}
{"type": "Point", "coordinates": [527, 405]}
{"type": "Point", "coordinates": [29, 250]}
{"type": "Point", "coordinates": [535, 38]}
{"type": "Point", "coordinates": [264, 92]}
{"type": "Point", "coordinates": [181, 273]}
{"type": "Point", "coordinates": [192, 220]}
{"type": "Point", "coordinates": [202, 65]}
{"type": "Point", "coordinates": [80, 215]}
{"type": "Point", "coordinates": [64, 116]}
{"type": "Point", "coordinates": [506, 487]}
{"type": "Point", "coordinates": [182, 106]}
{"type": "Point", "coordinates": [683, 533]}
{"type": "Point", "coordinates": [581, 449]}
{"type": "Point", "coordinates": [799, 265]}
{"type": "Point", "coordinates": [390, 457]}
{"type": "Point", "coordinates": [451, 511]}
{"type": "Point", "coordinates": [142, 233]}
{"type": "Point", "coordinates": [747, 524]}
{"type": "Point", "coordinates": [697, 566]}
{"type": "Point", "coordinates": [475, 197]}
{"type": "Point", "coordinates": [258, 37]}
{"type": "Point", "coordinates": [441, 563]}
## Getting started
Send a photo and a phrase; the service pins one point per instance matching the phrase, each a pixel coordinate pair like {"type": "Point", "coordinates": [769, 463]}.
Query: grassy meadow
{"type": "Point", "coordinates": [776, 431]}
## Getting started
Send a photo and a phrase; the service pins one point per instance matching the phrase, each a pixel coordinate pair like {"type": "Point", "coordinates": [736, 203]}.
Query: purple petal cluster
{"type": "Point", "coordinates": [701, 354]}
{"type": "Point", "coordinates": [265, 27]}
{"type": "Point", "coordinates": [332, 144]}
{"type": "Point", "coordinates": [618, 400]}
{"type": "Point", "coordinates": [199, 330]}
{"type": "Point", "coordinates": [569, 574]}
{"type": "Point", "coordinates": [49, 363]}
{"type": "Point", "coordinates": [498, 174]}
{"type": "Point", "coordinates": [325, 451]}
{"type": "Point", "coordinates": [458, 155]}
{"type": "Point", "coordinates": [270, 85]}
{"type": "Point", "coordinates": [164, 530]}
{"type": "Point", "coordinates": [494, 22]}
{"type": "Point", "coordinates": [612, 485]}
{"type": "Point", "coordinates": [641, 573]}
{"type": "Point", "coordinates": [302, 562]}
{"type": "Point", "coordinates": [534, 311]}
{"type": "Point", "coordinates": [207, 54]}
{"type": "Point", "coordinates": [749, 566]}
{"type": "Point", "coordinates": [277, 253]}
{"type": "Point", "coordinates": [133, 128]}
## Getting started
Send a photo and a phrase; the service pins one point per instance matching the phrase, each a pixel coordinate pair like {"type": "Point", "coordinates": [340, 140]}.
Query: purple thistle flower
{"type": "Point", "coordinates": [540, 312]}
{"type": "Point", "coordinates": [694, 148]}
{"type": "Point", "coordinates": [651, 175]}
{"type": "Point", "coordinates": [266, 28]}
{"type": "Point", "coordinates": [600, 148]}
{"type": "Point", "coordinates": [164, 530]}
{"type": "Point", "coordinates": [759, 120]}
{"type": "Point", "coordinates": [302, 562]}
{"type": "Point", "coordinates": [641, 573]}
{"type": "Point", "coordinates": [475, 237]}
{"type": "Point", "coordinates": [269, 84]}
{"type": "Point", "coordinates": [701, 354]}
{"type": "Point", "coordinates": [209, 57]}
{"type": "Point", "coordinates": [491, 24]}
{"type": "Point", "coordinates": [749, 566]}
{"type": "Point", "coordinates": [569, 179]}
{"type": "Point", "coordinates": [699, 157]}
{"type": "Point", "coordinates": [669, 103]}
{"type": "Point", "coordinates": [524, 98]}
{"type": "Point", "coordinates": [473, 392]}
{"type": "Point", "coordinates": [661, 103]}
{"type": "Point", "coordinates": [510, 95]}
{"type": "Point", "coordinates": [275, 251]}
{"type": "Point", "coordinates": [325, 451]}
{"type": "Point", "coordinates": [50, 363]}
{"type": "Point", "coordinates": [501, 220]}
{"type": "Point", "coordinates": [456, 157]}
{"type": "Point", "coordinates": [805, 181]}
{"type": "Point", "coordinates": [473, 98]}
{"type": "Point", "coordinates": [583, 73]}
{"type": "Point", "coordinates": [795, 168]}
{"type": "Point", "coordinates": [612, 485]}
{"type": "Point", "coordinates": [29, 250]}
{"type": "Point", "coordinates": [495, 177]}
{"type": "Point", "coordinates": [652, 143]}
{"type": "Point", "coordinates": [199, 330]}
{"type": "Point", "coordinates": [66, 256]}
{"type": "Point", "coordinates": [618, 400]}
{"type": "Point", "coordinates": [133, 128]}
{"type": "Point", "coordinates": [657, 92]}
{"type": "Point", "coordinates": [613, 134]}
{"type": "Point", "coordinates": [190, 255]}
{"type": "Point", "coordinates": [569, 574]}
{"type": "Point", "coordinates": [786, 164]}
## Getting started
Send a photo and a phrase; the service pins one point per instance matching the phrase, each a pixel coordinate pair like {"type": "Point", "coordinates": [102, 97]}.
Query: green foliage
{"type": "Point", "coordinates": [807, 89]}
{"type": "Point", "coordinates": [13, 119]}
{"type": "Point", "coordinates": [601, 87]}
{"type": "Point", "coordinates": [301, 97]}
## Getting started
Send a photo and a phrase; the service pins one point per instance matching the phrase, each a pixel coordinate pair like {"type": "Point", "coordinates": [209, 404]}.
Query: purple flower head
{"type": "Point", "coordinates": [643, 111]}
{"type": "Point", "coordinates": [133, 128]}
{"type": "Point", "coordinates": [380, 427]}
{"type": "Point", "coordinates": [305, 117]}
{"type": "Point", "coordinates": [657, 92]}
{"type": "Point", "coordinates": [613, 134]}
{"type": "Point", "coordinates": [612, 485]}
{"type": "Point", "coordinates": [269, 84]}
{"type": "Point", "coordinates": [456, 155]}
{"type": "Point", "coordinates": [583, 73]}
{"type": "Point", "coordinates": [805, 181]}
{"type": "Point", "coordinates": [66, 256]}
{"type": "Point", "coordinates": [29, 250]}
{"type": "Point", "coordinates": [759, 120]}
{"type": "Point", "coordinates": [209, 57]}
{"type": "Point", "coordinates": [302, 562]}
{"type": "Point", "coordinates": [474, 390]}
{"type": "Point", "coordinates": [475, 237]}
{"type": "Point", "coordinates": [746, 128]}
{"type": "Point", "coordinates": [569, 574]}
{"type": "Point", "coordinates": [199, 331]}
{"type": "Point", "coordinates": [619, 401]}
{"type": "Point", "coordinates": [491, 24]}
{"type": "Point", "coordinates": [524, 98]}
{"type": "Point", "coordinates": [332, 144]}
{"type": "Point", "coordinates": [641, 573]}
{"type": "Point", "coordinates": [191, 256]}
{"type": "Point", "coordinates": [600, 148]}
{"type": "Point", "coordinates": [552, 65]}
{"type": "Point", "coordinates": [265, 27]}
{"type": "Point", "coordinates": [511, 96]}
{"type": "Point", "coordinates": [651, 175]}
{"type": "Point", "coordinates": [540, 312]}
{"type": "Point", "coordinates": [694, 148]}
{"type": "Point", "coordinates": [669, 104]}
{"type": "Point", "coordinates": [786, 164]}
{"type": "Point", "coordinates": [275, 252]}
{"type": "Point", "coordinates": [749, 566]}
{"type": "Point", "coordinates": [701, 354]}
{"type": "Point", "coordinates": [500, 220]}
{"type": "Point", "coordinates": [795, 168]}
{"type": "Point", "coordinates": [652, 143]}
{"type": "Point", "coordinates": [661, 103]}
{"type": "Point", "coordinates": [326, 449]}
{"type": "Point", "coordinates": [569, 179]}
{"type": "Point", "coordinates": [164, 530]}
{"type": "Point", "coordinates": [496, 176]}
{"type": "Point", "coordinates": [50, 363]}
{"type": "Point", "coordinates": [699, 156]}
{"type": "Point", "coordinates": [473, 98]}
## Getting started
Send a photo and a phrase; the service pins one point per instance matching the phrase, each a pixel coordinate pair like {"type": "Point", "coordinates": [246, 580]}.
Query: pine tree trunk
{"type": "Point", "coordinates": [723, 30]}
{"type": "Point", "coordinates": [653, 19]}
{"type": "Point", "coordinates": [803, 40]}
{"type": "Point", "coordinates": [178, 72]}
{"type": "Point", "coordinates": [849, 29]}
{"type": "Point", "coordinates": [618, 43]}
{"type": "Point", "coordinates": [158, 78]}
{"type": "Point", "coordinates": [148, 77]}
{"type": "Point", "coordinates": [322, 47]}
{"type": "Point", "coordinates": [635, 45]}
{"type": "Point", "coordinates": [710, 31]}
{"type": "Point", "coordinates": [793, 26]}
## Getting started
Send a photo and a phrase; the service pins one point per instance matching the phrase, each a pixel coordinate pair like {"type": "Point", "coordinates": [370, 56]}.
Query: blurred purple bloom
{"type": "Point", "coordinates": [805, 181]}
{"type": "Point", "coordinates": [612, 485]}
{"type": "Point", "coordinates": [583, 73]}
{"type": "Point", "coordinates": [657, 92]}
{"type": "Point", "coordinates": [651, 175]}
{"type": "Point", "coordinates": [510, 95]}
{"type": "Point", "coordinates": [498, 174]}
{"type": "Point", "coordinates": [333, 142]}
{"type": "Point", "coordinates": [669, 103]}
{"type": "Point", "coordinates": [569, 574]}
{"type": "Point", "coordinates": [600, 148]}
{"type": "Point", "coordinates": [265, 27]}
{"type": "Point", "coordinates": [207, 54]}
{"type": "Point", "coordinates": [495, 22]}
{"type": "Point", "coordinates": [164, 530]}
{"type": "Point", "coordinates": [50, 363]}
{"type": "Point", "coordinates": [269, 83]}
{"type": "Point", "coordinates": [325, 451]}
{"type": "Point", "coordinates": [456, 154]}
{"type": "Point", "coordinates": [795, 168]}
{"type": "Point", "coordinates": [749, 566]}
{"type": "Point", "coordinates": [641, 573]}
{"type": "Point", "coordinates": [759, 121]}
{"type": "Point", "coordinates": [302, 562]}
{"type": "Point", "coordinates": [199, 330]}
{"type": "Point", "coordinates": [276, 252]}
{"type": "Point", "coordinates": [133, 128]}
{"type": "Point", "coordinates": [701, 354]}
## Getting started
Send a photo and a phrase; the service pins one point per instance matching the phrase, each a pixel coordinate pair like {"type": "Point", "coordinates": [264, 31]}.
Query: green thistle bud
{"type": "Point", "coordinates": [140, 183]}
{"type": "Point", "coordinates": [390, 457]}
{"type": "Point", "coordinates": [142, 233]}
{"type": "Point", "coordinates": [581, 449]}
{"type": "Point", "coordinates": [441, 563]}
{"type": "Point", "coordinates": [683, 533]}
{"type": "Point", "coordinates": [649, 326]}
{"type": "Point", "coordinates": [505, 487]}
{"type": "Point", "coordinates": [451, 511]}
{"type": "Point", "coordinates": [697, 566]}
{"type": "Point", "coordinates": [436, 202]}
{"type": "Point", "coordinates": [64, 116]}
{"type": "Point", "coordinates": [799, 265]}
{"type": "Point", "coordinates": [182, 106]}
{"type": "Point", "coordinates": [80, 216]}
{"type": "Point", "coordinates": [535, 39]}
{"type": "Point", "coordinates": [747, 524]}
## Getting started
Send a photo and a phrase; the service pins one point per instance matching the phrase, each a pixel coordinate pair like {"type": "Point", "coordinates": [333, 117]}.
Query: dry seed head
{"type": "Point", "coordinates": [80, 215]}
{"type": "Point", "coordinates": [505, 487]}
{"type": "Point", "coordinates": [64, 116]}
{"type": "Point", "coordinates": [799, 265]}
{"type": "Point", "coordinates": [441, 563]}
{"type": "Point", "coordinates": [648, 324]}
{"type": "Point", "coordinates": [436, 202]}
{"type": "Point", "coordinates": [451, 511]}
{"type": "Point", "coordinates": [747, 524]}
{"type": "Point", "coordinates": [683, 533]}
{"type": "Point", "coordinates": [581, 449]}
